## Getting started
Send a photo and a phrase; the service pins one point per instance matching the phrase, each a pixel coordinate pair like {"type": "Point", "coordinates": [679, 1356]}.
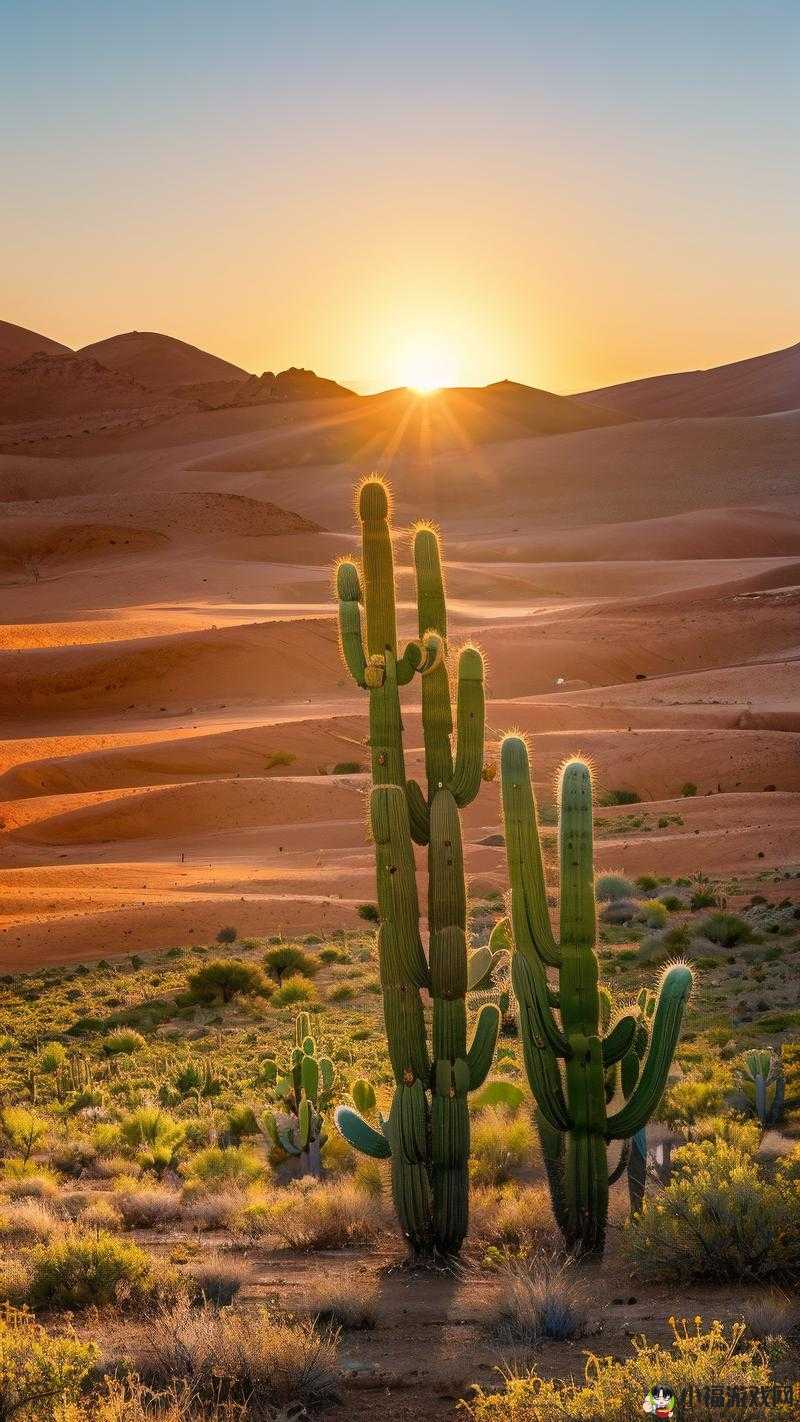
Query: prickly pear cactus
{"type": "Point", "coordinates": [571, 1046]}
{"type": "Point", "coordinates": [427, 1132]}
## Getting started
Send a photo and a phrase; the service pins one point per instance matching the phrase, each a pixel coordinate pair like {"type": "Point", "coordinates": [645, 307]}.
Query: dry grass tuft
{"type": "Point", "coordinates": [543, 1299]}
{"type": "Point", "coordinates": [345, 1302]}
{"type": "Point", "coordinates": [217, 1278]}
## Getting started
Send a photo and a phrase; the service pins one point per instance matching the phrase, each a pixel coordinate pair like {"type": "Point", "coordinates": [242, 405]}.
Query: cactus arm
{"type": "Point", "coordinates": [351, 637]}
{"type": "Point", "coordinates": [437, 716]}
{"type": "Point", "coordinates": [761, 1098]}
{"type": "Point", "coordinates": [360, 1134]}
{"type": "Point", "coordinates": [470, 719]}
{"type": "Point", "coordinates": [530, 985]}
{"type": "Point", "coordinates": [418, 813]}
{"type": "Point", "coordinates": [533, 933]}
{"type": "Point", "coordinates": [541, 1065]}
{"type": "Point", "coordinates": [378, 567]}
{"type": "Point", "coordinates": [621, 1165]}
{"type": "Point", "coordinates": [671, 1003]}
{"type": "Point", "coordinates": [620, 1040]}
{"type": "Point", "coordinates": [484, 1041]}
{"type": "Point", "coordinates": [422, 655]}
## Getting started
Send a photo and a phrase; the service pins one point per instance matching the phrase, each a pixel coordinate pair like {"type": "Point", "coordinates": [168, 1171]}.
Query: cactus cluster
{"type": "Point", "coordinates": [571, 1054]}
{"type": "Point", "coordinates": [427, 1132]}
{"type": "Point", "coordinates": [761, 1080]}
{"type": "Point", "coordinates": [301, 1092]}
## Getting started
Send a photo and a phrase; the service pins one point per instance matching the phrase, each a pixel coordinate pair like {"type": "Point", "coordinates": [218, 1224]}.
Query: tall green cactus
{"type": "Point", "coordinates": [427, 1133]}
{"type": "Point", "coordinates": [570, 1062]}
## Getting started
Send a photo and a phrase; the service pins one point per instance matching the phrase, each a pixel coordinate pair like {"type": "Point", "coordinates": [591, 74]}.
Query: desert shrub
{"type": "Point", "coordinates": [51, 1058]}
{"type": "Point", "coordinates": [217, 1278]}
{"type": "Point", "coordinates": [123, 1042]}
{"type": "Point", "coordinates": [512, 1218]}
{"type": "Point", "coordinates": [224, 978]}
{"type": "Point", "coordinates": [220, 1168]}
{"type": "Point", "coordinates": [613, 1390]}
{"type": "Point", "coordinates": [369, 913]}
{"type": "Point", "coordinates": [542, 1298]}
{"type": "Point", "coordinates": [501, 1142]}
{"type": "Point", "coordinates": [154, 1137]}
{"type": "Point", "coordinates": [688, 789]}
{"type": "Point", "coordinates": [209, 1211]}
{"type": "Point", "coordinates": [719, 1218]}
{"type": "Point", "coordinates": [229, 934]}
{"type": "Point", "coordinates": [702, 898]}
{"type": "Point", "coordinates": [610, 887]}
{"type": "Point", "coordinates": [619, 797]}
{"type": "Point", "coordinates": [74, 1157]}
{"type": "Point", "coordinates": [77, 1271]}
{"type": "Point", "coordinates": [727, 929]}
{"type": "Point", "coordinates": [256, 1360]}
{"type": "Point", "coordinates": [151, 1207]}
{"type": "Point", "coordinates": [100, 1214]}
{"type": "Point", "coordinates": [655, 912]}
{"type": "Point", "coordinates": [672, 902]}
{"type": "Point", "coordinates": [23, 1180]}
{"type": "Point", "coordinates": [770, 1316]}
{"type": "Point", "coordinates": [334, 1215]}
{"type": "Point", "coordinates": [288, 958]}
{"type": "Point", "coordinates": [40, 1375]}
{"type": "Point", "coordinates": [700, 1093]}
{"type": "Point", "coordinates": [294, 989]}
{"type": "Point", "coordinates": [347, 767]}
{"type": "Point", "coordinates": [22, 1129]}
{"type": "Point", "coordinates": [345, 1303]}
{"type": "Point", "coordinates": [242, 1122]}
{"type": "Point", "coordinates": [30, 1220]}
{"type": "Point", "coordinates": [343, 993]}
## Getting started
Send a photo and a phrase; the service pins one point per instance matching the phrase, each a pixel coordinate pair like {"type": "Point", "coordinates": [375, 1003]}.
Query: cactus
{"type": "Point", "coordinates": [427, 1132]}
{"type": "Point", "coordinates": [572, 1059]}
{"type": "Point", "coordinates": [762, 1082]}
{"type": "Point", "coordinates": [301, 1093]}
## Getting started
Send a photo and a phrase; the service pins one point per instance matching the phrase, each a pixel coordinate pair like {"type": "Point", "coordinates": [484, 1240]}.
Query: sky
{"type": "Point", "coordinates": [436, 191]}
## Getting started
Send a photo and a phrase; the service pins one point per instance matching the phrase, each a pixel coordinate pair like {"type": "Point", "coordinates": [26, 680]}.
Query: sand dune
{"type": "Point", "coordinates": [17, 343]}
{"type": "Point", "coordinates": [757, 386]}
{"type": "Point", "coordinates": [170, 682]}
{"type": "Point", "coordinates": [160, 362]}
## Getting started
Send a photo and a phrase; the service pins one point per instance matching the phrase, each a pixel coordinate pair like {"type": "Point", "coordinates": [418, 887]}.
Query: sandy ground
{"type": "Point", "coordinates": [172, 704]}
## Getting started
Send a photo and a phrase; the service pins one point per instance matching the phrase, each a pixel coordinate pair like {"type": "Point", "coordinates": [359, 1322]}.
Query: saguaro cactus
{"type": "Point", "coordinates": [427, 1133]}
{"type": "Point", "coordinates": [569, 1058]}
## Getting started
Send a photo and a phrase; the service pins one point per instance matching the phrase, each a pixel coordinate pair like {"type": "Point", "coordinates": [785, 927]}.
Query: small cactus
{"type": "Point", "coordinates": [761, 1080]}
{"type": "Point", "coordinates": [300, 1094]}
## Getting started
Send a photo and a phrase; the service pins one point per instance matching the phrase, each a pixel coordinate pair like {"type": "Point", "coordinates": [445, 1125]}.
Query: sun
{"type": "Point", "coordinates": [425, 365]}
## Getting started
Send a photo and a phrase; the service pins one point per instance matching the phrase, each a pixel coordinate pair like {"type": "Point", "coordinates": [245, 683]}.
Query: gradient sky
{"type": "Point", "coordinates": [568, 193]}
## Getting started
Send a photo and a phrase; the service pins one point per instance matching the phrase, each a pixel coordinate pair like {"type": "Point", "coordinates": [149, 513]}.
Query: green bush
{"type": "Point", "coordinates": [154, 1137]}
{"type": "Point", "coordinates": [228, 935]}
{"type": "Point", "coordinates": [619, 797]}
{"type": "Point", "coordinates": [610, 887]}
{"type": "Point", "coordinates": [727, 929]}
{"type": "Point", "coordinates": [77, 1271]}
{"type": "Point", "coordinates": [655, 913]}
{"type": "Point", "coordinates": [123, 1042]}
{"type": "Point", "coordinates": [219, 1168]}
{"type": "Point", "coordinates": [51, 1058]}
{"type": "Point", "coordinates": [502, 1141]}
{"type": "Point", "coordinates": [224, 978]}
{"type": "Point", "coordinates": [288, 959]}
{"type": "Point", "coordinates": [294, 989]}
{"type": "Point", "coordinates": [718, 1219]}
{"type": "Point", "coordinates": [22, 1128]}
{"type": "Point", "coordinates": [369, 912]}
{"type": "Point", "coordinates": [688, 789]}
{"type": "Point", "coordinates": [40, 1374]}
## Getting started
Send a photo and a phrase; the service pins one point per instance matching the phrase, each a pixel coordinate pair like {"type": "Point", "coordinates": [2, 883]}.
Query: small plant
{"type": "Point", "coordinates": [294, 989]}
{"type": "Point", "coordinates": [77, 1271]}
{"type": "Point", "coordinates": [123, 1042]}
{"type": "Point", "coordinates": [688, 789]}
{"type": "Point", "coordinates": [655, 913]}
{"type": "Point", "coordinates": [726, 929]}
{"type": "Point", "coordinates": [502, 1142]}
{"type": "Point", "coordinates": [303, 1090]}
{"type": "Point", "coordinates": [225, 978]}
{"type": "Point", "coordinates": [219, 1169]}
{"type": "Point", "coordinates": [609, 888]}
{"type": "Point", "coordinates": [543, 1299]}
{"type": "Point", "coordinates": [619, 797]}
{"type": "Point", "coordinates": [154, 1137]}
{"type": "Point", "coordinates": [347, 767]}
{"type": "Point", "coordinates": [287, 958]}
{"type": "Point", "coordinates": [227, 935]}
{"type": "Point", "coordinates": [344, 1303]}
{"type": "Point", "coordinates": [41, 1376]}
{"type": "Point", "coordinates": [369, 912]}
{"type": "Point", "coordinates": [761, 1080]}
{"type": "Point", "coordinates": [218, 1278]}
{"type": "Point", "coordinates": [23, 1129]}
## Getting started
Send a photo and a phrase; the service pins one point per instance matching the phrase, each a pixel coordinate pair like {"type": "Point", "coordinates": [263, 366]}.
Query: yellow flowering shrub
{"type": "Point", "coordinates": [710, 1369]}
{"type": "Point", "coordinates": [40, 1375]}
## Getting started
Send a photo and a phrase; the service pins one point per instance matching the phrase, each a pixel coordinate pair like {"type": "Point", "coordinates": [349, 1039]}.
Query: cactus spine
{"type": "Point", "coordinates": [427, 1133]}
{"type": "Point", "coordinates": [570, 1059]}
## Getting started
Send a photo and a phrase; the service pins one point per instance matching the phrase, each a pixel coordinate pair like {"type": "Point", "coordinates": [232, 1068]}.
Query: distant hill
{"type": "Point", "coordinates": [761, 385]}
{"type": "Point", "coordinates": [44, 387]}
{"type": "Point", "coordinates": [17, 343]}
{"type": "Point", "coordinates": [291, 384]}
{"type": "Point", "coordinates": [161, 362]}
